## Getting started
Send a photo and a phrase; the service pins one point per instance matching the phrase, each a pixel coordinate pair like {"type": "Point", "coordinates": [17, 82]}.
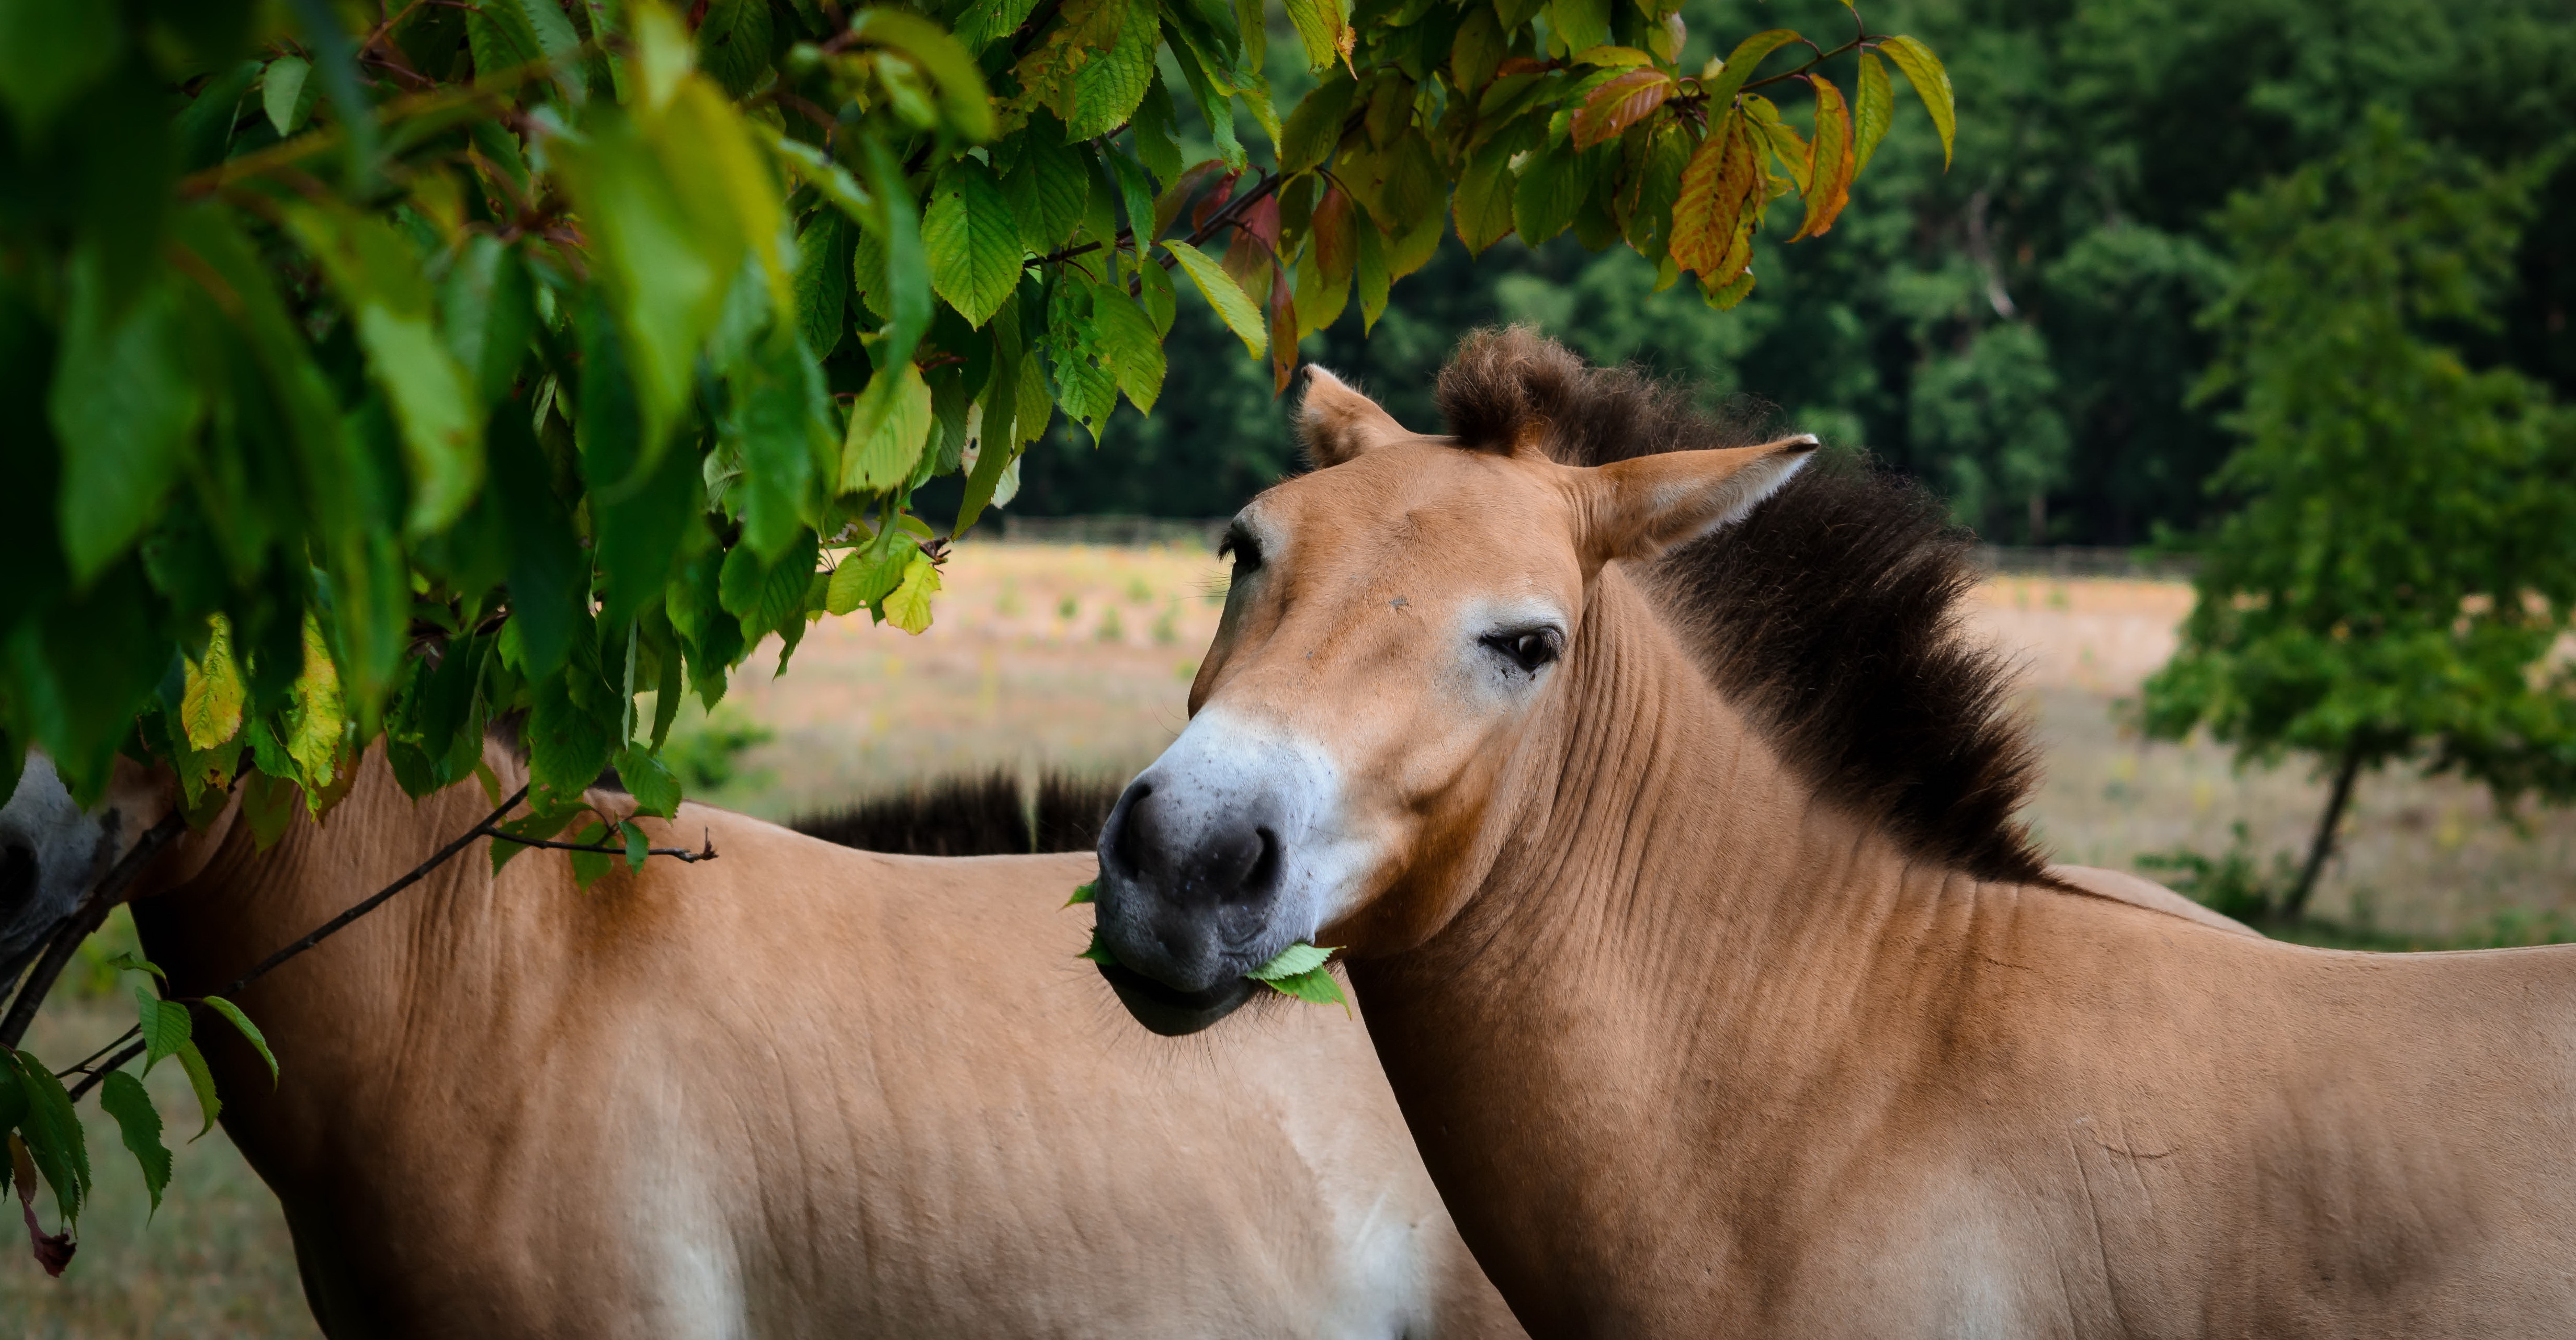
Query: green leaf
{"type": "Point", "coordinates": [1294, 961]}
{"type": "Point", "coordinates": [638, 848]}
{"type": "Point", "coordinates": [268, 806]}
{"type": "Point", "coordinates": [379, 276]}
{"type": "Point", "coordinates": [210, 705]}
{"type": "Point", "coordinates": [1316, 987]}
{"type": "Point", "coordinates": [1551, 187]}
{"type": "Point", "coordinates": [1931, 83]}
{"type": "Point", "coordinates": [202, 1081]}
{"type": "Point", "coordinates": [889, 425]}
{"type": "Point", "coordinates": [1373, 279]}
{"type": "Point", "coordinates": [1872, 109]}
{"type": "Point", "coordinates": [249, 1031]}
{"type": "Point", "coordinates": [164, 1024]}
{"type": "Point", "coordinates": [567, 745]}
{"type": "Point", "coordinates": [971, 240]}
{"type": "Point", "coordinates": [655, 787]}
{"type": "Point", "coordinates": [907, 270]}
{"type": "Point", "coordinates": [1316, 125]}
{"type": "Point", "coordinates": [1082, 893]}
{"type": "Point", "coordinates": [782, 427]}
{"type": "Point", "coordinates": [52, 1131]}
{"type": "Point", "coordinates": [868, 576]}
{"type": "Point", "coordinates": [123, 1097]}
{"type": "Point", "coordinates": [286, 94]}
{"type": "Point", "coordinates": [1129, 346]}
{"type": "Point", "coordinates": [1048, 188]}
{"type": "Point", "coordinates": [1096, 951]}
{"type": "Point", "coordinates": [1158, 143]}
{"type": "Point", "coordinates": [823, 287]}
{"type": "Point", "coordinates": [125, 961]}
{"type": "Point", "coordinates": [124, 391]}
{"type": "Point", "coordinates": [962, 94]}
{"type": "Point", "coordinates": [1721, 86]}
{"type": "Point", "coordinates": [733, 43]}
{"type": "Point", "coordinates": [589, 866]}
{"type": "Point", "coordinates": [1232, 307]}
{"type": "Point", "coordinates": [1579, 24]}
{"type": "Point", "coordinates": [50, 52]}
{"type": "Point", "coordinates": [1108, 87]}
{"type": "Point", "coordinates": [486, 307]}
{"type": "Point", "coordinates": [908, 608]}
{"type": "Point", "coordinates": [1320, 30]}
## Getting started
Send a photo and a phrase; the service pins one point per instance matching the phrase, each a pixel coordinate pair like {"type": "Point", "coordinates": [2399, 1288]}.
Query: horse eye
{"type": "Point", "coordinates": [1529, 650]}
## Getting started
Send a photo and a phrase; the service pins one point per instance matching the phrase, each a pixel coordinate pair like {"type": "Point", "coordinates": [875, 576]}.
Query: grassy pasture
{"type": "Point", "coordinates": [1080, 657]}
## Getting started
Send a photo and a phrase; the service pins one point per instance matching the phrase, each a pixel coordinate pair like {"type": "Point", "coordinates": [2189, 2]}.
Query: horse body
{"type": "Point", "coordinates": [797, 1091]}
{"type": "Point", "coordinates": [1718, 986]}
{"type": "Point", "coordinates": [1888, 1099]}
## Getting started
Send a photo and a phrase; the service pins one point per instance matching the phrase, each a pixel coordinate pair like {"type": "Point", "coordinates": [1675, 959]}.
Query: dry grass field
{"type": "Point", "coordinates": [1079, 658]}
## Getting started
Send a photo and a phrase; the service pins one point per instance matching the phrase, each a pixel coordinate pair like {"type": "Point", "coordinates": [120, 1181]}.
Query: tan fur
{"type": "Point", "coordinates": [797, 1091]}
{"type": "Point", "coordinates": [1692, 1050]}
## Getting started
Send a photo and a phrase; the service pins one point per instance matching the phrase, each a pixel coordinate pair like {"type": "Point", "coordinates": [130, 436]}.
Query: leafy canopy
{"type": "Point", "coordinates": [372, 376]}
{"type": "Point", "coordinates": [2402, 571]}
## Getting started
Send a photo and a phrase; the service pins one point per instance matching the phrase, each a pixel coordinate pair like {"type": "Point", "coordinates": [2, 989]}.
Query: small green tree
{"type": "Point", "coordinates": [2397, 579]}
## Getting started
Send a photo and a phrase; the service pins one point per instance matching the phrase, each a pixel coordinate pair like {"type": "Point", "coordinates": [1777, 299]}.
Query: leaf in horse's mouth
{"type": "Point", "coordinates": [1296, 971]}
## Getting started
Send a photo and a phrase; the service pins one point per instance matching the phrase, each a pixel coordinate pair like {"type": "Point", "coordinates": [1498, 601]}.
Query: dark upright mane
{"type": "Point", "coordinates": [1830, 615]}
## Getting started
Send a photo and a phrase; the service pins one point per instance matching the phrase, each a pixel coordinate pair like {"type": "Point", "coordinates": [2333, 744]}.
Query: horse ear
{"type": "Point", "coordinates": [1648, 504]}
{"type": "Point", "coordinates": [1338, 423]}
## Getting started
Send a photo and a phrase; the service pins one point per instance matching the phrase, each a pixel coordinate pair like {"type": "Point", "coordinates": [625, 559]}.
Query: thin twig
{"type": "Point", "coordinates": [85, 918]}
{"type": "Point", "coordinates": [707, 853]}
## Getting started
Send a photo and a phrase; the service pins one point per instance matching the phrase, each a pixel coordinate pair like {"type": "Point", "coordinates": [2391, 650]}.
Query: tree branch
{"type": "Point", "coordinates": [706, 853]}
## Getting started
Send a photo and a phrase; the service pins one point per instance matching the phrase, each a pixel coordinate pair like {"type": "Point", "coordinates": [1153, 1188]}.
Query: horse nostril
{"type": "Point", "coordinates": [1263, 877]}
{"type": "Point", "coordinates": [1130, 843]}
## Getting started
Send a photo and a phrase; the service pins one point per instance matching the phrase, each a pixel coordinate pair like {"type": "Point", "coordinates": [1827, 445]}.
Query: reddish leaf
{"type": "Point", "coordinates": [1827, 186]}
{"type": "Point", "coordinates": [1336, 250]}
{"type": "Point", "coordinates": [1710, 212]}
{"type": "Point", "coordinates": [1619, 104]}
{"type": "Point", "coordinates": [1255, 246]}
{"type": "Point", "coordinates": [1522, 65]}
{"type": "Point", "coordinates": [1283, 328]}
{"type": "Point", "coordinates": [53, 1251]}
{"type": "Point", "coordinates": [1214, 200]}
{"type": "Point", "coordinates": [1168, 206]}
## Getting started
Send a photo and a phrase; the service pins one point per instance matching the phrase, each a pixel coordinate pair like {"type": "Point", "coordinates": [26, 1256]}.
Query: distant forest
{"type": "Point", "coordinates": [2021, 332]}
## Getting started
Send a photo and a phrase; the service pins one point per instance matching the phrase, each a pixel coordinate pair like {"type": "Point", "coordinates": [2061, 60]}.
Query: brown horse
{"type": "Point", "coordinates": [1669, 832]}
{"type": "Point", "coordinates": [797, 1091]}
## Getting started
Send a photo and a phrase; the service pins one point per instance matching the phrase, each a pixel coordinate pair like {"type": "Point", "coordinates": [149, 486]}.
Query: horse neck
{"type": "Point", "coordinates": [1625, 1037]}
{"type": "Point", "coordinates": [443, 934]}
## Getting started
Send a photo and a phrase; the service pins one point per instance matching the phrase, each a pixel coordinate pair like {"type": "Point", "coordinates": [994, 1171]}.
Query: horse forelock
{"type": "Point", "coordinates": [1831, 615]}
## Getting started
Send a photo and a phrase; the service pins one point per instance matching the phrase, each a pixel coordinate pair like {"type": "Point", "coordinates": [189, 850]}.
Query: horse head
{"type": "Point", "coordinates": [1396, 623]}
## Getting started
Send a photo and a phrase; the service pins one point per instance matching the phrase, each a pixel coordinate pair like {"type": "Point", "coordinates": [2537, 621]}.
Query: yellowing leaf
{"type": "Point", "coordinates": [1872, 110]}
{"type": "Point", "coordinates": [908, 608]}
{"type": "Point", "coordinates": [210, 709]}
{"type": "Point", "coordinates": [317, 719]}
{"type": "Point", "coordinates": [1320, 30]}
{"type": "Point", "coordinates": [1619, 104]}
{"type": "Point", "coordinates": [1715, 187]}
{"type": "Point", "coordinates": [1232, 305]}
{"type": "Point", "coordinates": [1827, 185]}
{"type": "Point", "coordinates": [865, 579]}
{"type": "Point", "coordinates": [1931, 83]}
{"type": "Point", "coordinates": [889, 424]}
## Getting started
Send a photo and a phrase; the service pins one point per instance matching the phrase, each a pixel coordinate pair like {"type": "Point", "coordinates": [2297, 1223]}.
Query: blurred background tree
{"type": "Point", "coordinates": [2399, 571]}
{"type": "Point", "coordinates": [2098, 140]}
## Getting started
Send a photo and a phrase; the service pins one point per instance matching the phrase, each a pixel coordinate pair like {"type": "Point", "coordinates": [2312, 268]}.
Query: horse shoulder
{"type": "Point", "coordinates": [2121, 886]}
